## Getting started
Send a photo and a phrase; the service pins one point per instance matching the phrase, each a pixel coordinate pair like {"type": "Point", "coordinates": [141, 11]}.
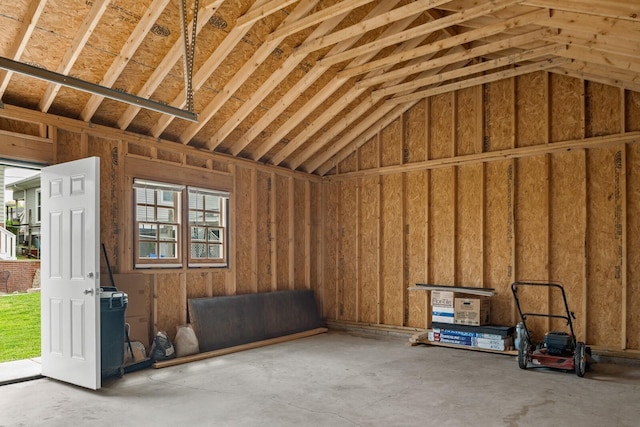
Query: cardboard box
{"type": "Point", "coordinates": [139, 329]}
{"type": "Point", "coordinates": [471, 311]}
{"type": "Point", "coordinates": [442, 314]}
{"type": "Point", "coordinates": [442, 299]}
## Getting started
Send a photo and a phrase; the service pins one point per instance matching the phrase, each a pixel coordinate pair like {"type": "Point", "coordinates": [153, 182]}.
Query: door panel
{"type": "Point", "coordinates": [70, 267]}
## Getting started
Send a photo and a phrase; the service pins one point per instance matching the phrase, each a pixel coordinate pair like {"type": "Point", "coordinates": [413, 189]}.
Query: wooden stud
{"type": "Point", "coordinates": [291, 232]}
{"type": "Point", "coordinates": [254, 229]}
{"type": "Point", "coordinates": [307, 234]}
{"type": "Point", "coordinates": [274, 233]}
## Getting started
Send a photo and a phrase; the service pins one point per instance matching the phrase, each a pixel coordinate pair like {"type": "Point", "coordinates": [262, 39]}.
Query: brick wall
{"type": "Point", "coordinates": [22, 273]}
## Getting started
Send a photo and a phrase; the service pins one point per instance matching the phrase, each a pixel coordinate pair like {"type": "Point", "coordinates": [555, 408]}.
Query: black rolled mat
{"type": "Point", "coordinates": [227, 321]}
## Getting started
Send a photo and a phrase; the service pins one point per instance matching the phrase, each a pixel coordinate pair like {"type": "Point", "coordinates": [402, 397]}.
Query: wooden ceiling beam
{"type": "Point", "coordinates": [168, 62]}
{"type": "Point", "coordinates": [488, 78]}
{"type": "Point", "coordinates": [522, 20]}
{"type": "Point", "coordinates": [329, 113]}
{"type": "Point", "coordinates": [624, 47]}
{"type": "Point", "coordinates": [347, 120]}
{"type": "Point", "coordinates": [205, 71]}
{"type": "Point", "coordinates": [411, 9]}
{"type": "Point", "coordinates": [71, 55]}
{"type": "Point", "coordinates": [452, 58]}
{"type": "Point", "coordinates": [265, 89]}
{"type": "Point", "coordinates": [619, 9]}
{"type": "Point", "coordinates": [440, 24]}
{"type": "Point", "coordinates": [126, 53]}
{"type": "Point", "coordinates": [261, 12]}
{"type": "Point", "coordinates": [600, 74]}
{"type": "Point", "coordinates": [598, 25]}
{"type": "Point", "coordinates": [609, 59]}
{"type": "Point", "coordinates": [302, 85]}
{"type": "Point", "coordinates": [316, 18]}
{"type": "Point", "coordinates": [526, 55]}
{"type": "Point", "coordinates": [22, 38]}
{"type": "Point", "coordinates": [245, 72]}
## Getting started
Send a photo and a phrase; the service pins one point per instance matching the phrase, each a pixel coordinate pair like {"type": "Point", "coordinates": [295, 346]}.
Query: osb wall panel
{"type": "Point", "coordinates": [498, 239]}
{"type": "Point", "coordinates": [331, 252]}
{"type": "Point", "coordinates": [468, 134]}
{"type": "Point", "coordinates": [633, 245]}
{"type": "Point", "coordinates": [604, 289]}
{"type": "Point", "coordinates": [369, 155]}
{"type": "Point", "coordinates": [442, 226]}
{"type": "Point", "coordinates": [391, 144]}
{"type": "Point", "coordinates": [198, 284]}
{"type": "Point", "coordinates": [441, 126]}
{"type": "Point", "coordinates": [568, 225]}
{"type": "Point", "coordinates": [415, 144]}
{"type": "Point", "coordinates": [531, 229]}
{"type": "Point", "coordinates": [531, 109]}
{"type": "Point", "coordinates": [282, 233]}
{"type": "Point", "coordinates": [415, 245]}
{"type": "Point", "coordinates": [567, 108]}
{"type": "Point", "coordinates": [347, 268]}
{"type": "Point", "coordinates": [69, 146]}
{"type": "Point", "coordinates": [300, 242]}
{"type": "Point", "coordinates": [316, 257]}
{"type": "Point", "coordinates": [469, 224]}
{"type": "Point", "coordinates": [369, 244]}
{"type": "Point", "coordinates": [499, 115]}
{"type": "Point", "coordinates": [244, 225]}
{"type": "Point", "coordinates": [169, 303]}
{"type": "Point", "coordinates": [110, 189]}
{"type": "Point", "coordinates": [632, 111]}
{"type": "Point", "coordinates": [603, 109]}
{"type": "Point", "coordinates": [264, 234]}
{"type": "Point", "coordinates": [391, 257]}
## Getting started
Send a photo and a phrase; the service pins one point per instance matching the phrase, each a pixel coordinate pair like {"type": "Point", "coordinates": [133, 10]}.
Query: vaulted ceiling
{"type": "Point", "coordinates": [297, 84]}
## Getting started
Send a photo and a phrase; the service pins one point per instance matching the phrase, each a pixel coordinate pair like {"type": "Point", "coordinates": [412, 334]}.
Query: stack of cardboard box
{"type": "Point", "coordinates": [459, 319]}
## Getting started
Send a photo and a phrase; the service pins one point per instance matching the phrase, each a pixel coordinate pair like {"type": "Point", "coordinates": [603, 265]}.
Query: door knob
{"type": "Point", "coordinates": [88, 291]}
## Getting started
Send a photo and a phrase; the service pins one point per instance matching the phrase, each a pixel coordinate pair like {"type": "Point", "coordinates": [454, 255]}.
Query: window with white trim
{"type": "Point", "coordinates": [158, 224]}
{"type": "Point", "coordinates": [207, 227]}
{"type": "Point", "coordinates": [163, 240]}
{"type": "Point", "coordinates": [38, 206]}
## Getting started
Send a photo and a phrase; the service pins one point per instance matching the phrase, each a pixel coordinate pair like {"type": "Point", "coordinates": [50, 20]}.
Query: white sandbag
{"type": "Point", "coordinates": [186, 342]}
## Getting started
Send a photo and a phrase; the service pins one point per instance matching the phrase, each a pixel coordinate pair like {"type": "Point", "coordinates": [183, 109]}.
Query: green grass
{"type": "Point", "coordinates": [19, 326]}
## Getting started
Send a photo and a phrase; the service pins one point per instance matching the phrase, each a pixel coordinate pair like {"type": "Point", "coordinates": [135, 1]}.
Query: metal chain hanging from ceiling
{"type": "Point", "coordinates": [189, 49]}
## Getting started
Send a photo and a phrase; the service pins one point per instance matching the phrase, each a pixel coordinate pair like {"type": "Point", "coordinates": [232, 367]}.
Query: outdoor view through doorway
{"type": "Point", "coordinates": [19, 261]}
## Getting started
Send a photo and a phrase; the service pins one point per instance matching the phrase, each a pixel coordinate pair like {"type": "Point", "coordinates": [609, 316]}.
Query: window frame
{"type": "Point", "coordinates": [38, 205]}
{"type": "Point", "coordinates": [223, 212]}
{"type": "Point", "coordinates": [184, 224]}
{"type": "Point", "coordinates": [176, 205]}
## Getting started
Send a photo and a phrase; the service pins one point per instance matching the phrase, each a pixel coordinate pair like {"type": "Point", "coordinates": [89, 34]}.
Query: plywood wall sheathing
{"type": "Point", "coordinates": [331, 244]}
{"type": "Point", "coordinates": [633, 247]}
{"type": "Point", "coordinates": [264, 235]}
{"type": "Point", "coordinates": [603, 256]}
{"type": "Point", "coordinates": [469, 226]}
{"type": "Point", "coordinates": [301, 234]}
{"type": "Point", "coordinates": [532, 109]}
{"type": "Point", "coordinates": [281, 237]}
{"type": "Point", "coordinates": [348, 258]}
{"type": "Point", "coordinates": [242, 256]}
{"type": "Point", "coordinates": [416, 204]}
{"type": "Point", "coordinates": [368, 248]}
{"type": "Point", "coordinates": [567, 108]}
{"type": "Point", "coordinates": [391, 257]}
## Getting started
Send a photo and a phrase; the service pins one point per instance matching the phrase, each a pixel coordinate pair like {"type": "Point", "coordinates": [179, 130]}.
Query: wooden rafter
{"type": "Point", "coordinates": [245, 72]}
{"type": "Point", "coordinates": [84, 32]}
{"type": "Point", "coordinates": [460, 39]}
{"type": "Point", "coordinates": [476, 52]}
{"type": "Point", "coordinates": [128, 50]}
{"type": "Point", "coordinates": [312, 76]}
{"type": "Point", "coordinates": [207, 69]}
{"type": "Point", "coordinates": [28, 25]}
{"type": "Point", "coordinates": [429, 27]}
{"type": "Point", "coordinates": [330, 113]}
{"type": "Point", "coordinates": [165, 66]}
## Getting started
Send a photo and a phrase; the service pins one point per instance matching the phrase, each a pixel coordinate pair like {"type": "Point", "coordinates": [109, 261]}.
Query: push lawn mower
{"type": "Point", "coordinates": [559, 350]}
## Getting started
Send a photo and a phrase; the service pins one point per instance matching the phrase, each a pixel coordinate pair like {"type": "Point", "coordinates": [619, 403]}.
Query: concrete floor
{"type": "Point", "coordinates": [337, 379]}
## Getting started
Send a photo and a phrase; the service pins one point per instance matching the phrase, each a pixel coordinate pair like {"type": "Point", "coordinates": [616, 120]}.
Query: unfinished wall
{"type": "Point", "coordinates": [275, 226]}
{"type": "Point", "coordinates": [529, 178]}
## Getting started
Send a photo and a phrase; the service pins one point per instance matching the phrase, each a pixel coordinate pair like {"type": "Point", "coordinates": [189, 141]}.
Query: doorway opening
{"type": "Point", "coordinates": [19, 261]}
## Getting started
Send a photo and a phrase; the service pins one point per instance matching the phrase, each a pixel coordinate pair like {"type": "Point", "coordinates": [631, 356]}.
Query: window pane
{"type": "Point", "coordinates": [166, 197]}
{"type": "Point", "coordinates": [168, 232]}
{"type": "Point", "coordinates": [198, 233]}
{"type": "Point", "coordinates": [148, 250]}
{"type": "Point", "coordinates": [168, 250]}
{"type": "Point", "coordinates": [215, 235]}
{"type": "Point", "coordinates": [166, 215]}
{"type": "Point", "coordinates": [215, 251]}
{"type": "Point", "coordinates": [198, 250]}
{"type": "Point", "coordinates": [212, 203]}
{"type": "Point", "coordinates": [148, 231]}
{"type": "Point", "coordinates": [145, 213]}
{"type": "Point", "coordinates": [213, 218]}
{"type": "Point", "coordinates": [145, 196]}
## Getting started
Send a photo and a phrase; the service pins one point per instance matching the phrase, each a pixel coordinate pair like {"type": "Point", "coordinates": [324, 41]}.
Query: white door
{"type": "Point", "coordinates": [70, 269]}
